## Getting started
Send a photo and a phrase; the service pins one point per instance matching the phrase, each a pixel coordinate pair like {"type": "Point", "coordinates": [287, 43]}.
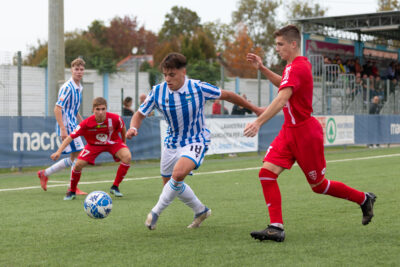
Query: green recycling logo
{"type": "Point", "coordinates": [331, 130]}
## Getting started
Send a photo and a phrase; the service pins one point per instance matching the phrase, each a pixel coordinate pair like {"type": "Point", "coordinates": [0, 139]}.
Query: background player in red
{"type": "Point", "coordinates": [102, 133]}
{"type": "Point", "coordinates": [300, 139]}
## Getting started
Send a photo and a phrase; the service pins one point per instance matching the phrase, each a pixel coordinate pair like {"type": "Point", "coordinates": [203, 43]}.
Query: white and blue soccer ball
{"type": "Point", "coordinates": [98, 204]}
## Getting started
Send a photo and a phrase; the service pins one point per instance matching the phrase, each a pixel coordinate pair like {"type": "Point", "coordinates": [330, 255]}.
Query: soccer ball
{"type": "Point", "coordinates": [98, 205]}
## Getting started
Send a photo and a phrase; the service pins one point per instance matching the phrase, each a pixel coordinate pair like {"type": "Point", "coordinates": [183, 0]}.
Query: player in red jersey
{"type": "Point", "coordinates": [300, 139]}
{"type": "Point", "coordinates": [102, 132]}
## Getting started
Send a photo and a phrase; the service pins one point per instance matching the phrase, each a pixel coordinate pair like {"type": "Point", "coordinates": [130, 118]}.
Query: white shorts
{"type": "Point", "coordinates": [170, 157]}
{"type": "Point", "coordinates": [75, 146]}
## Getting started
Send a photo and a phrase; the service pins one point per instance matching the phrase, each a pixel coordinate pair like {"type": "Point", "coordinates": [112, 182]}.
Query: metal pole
{"type": "Point", "coordinates": [387, 92]}
{"type": "Point", "coordinates": [122, 101]}
{"type": "Point", "coordinates": [19, 84]}
{"type": "Point", "coordinates": [222, 86]}
{"type": "Point", "coordinates": [137, 84]}
{"type": "Point", "coordinates": [259, 87]}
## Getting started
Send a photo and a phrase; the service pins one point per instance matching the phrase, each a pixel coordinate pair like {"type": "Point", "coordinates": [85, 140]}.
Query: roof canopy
{"type": "Point", "coordinates": [381, 27]}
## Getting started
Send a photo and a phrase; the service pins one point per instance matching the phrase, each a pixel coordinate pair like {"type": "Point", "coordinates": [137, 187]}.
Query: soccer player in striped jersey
{"type": "Point", "coordinates": [181, 101]}
{"type": "Point", "coordinates": [104, 132]}
{"type": "Point", "coordinates": [300, 139]}
{"type": "Point", "coordinates": [66, 112]}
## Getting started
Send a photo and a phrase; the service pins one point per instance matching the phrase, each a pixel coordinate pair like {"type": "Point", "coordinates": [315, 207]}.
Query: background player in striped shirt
{"type": "Point", "coordinates": [104, 132]}
{"type": "Point", "coordinates": [181, 101]}
{"type": "Point", "coordinates": [300, 139]}
{"type": "Point", "coordinates": [66, 112]}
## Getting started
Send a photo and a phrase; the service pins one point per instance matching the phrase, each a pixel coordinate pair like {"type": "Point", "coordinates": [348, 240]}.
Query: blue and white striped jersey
{"type": "Point", "coordinates": [183, 110]}
{"type": "Point", "coordinates": [69, 98]}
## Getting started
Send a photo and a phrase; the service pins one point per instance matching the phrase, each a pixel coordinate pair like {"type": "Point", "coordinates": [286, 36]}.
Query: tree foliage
{"type": "Point", "coordinates": [259, 18]}
{"type": "Point", "coordinates": [37, 55]}
{"type": "Point", "coordinates": [179, 21]}
{"type": "Point", "coordinates": [95, 55]}
{"type": "Point", "coordinates": [235, 55]}
{"type": "Point", "coordinates": [204, 71]}
{"type": "Point", "coordinates": [304, 9]}
{"type": "Point", "coordinates": [125, 33]}
{"type": "Point", "coordinates": [388, 5]}
{"type": "Point", "coordinates": [220, 33]}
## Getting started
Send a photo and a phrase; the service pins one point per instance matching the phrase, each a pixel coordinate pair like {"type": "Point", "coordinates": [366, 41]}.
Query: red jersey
{"type": "Point", "coordinates": [105, 133]}
{"type": "Point", "coordinates": [298, 75]}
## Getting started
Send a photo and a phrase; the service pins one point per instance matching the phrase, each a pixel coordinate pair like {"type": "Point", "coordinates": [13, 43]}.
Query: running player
{"type": "Point", "coordinates": [181, 101]}
{"type": "Point", "coordinates": [66, 112]}
{"type": "Point", "coordinates": [102, 132]}
{"type": "Point", "coordinates": [300, 139]}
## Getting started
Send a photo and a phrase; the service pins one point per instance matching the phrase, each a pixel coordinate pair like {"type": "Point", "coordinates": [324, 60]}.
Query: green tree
{"type": "Point", "coordinates": [259, 18]}
{"type": "Point", "coordinates": [97, 32]}
{"type": "Point", "coordinates": [220, 33]}
{"type": "Point", "coordinates": [197, 47]}
{"type": "Point", "coordinates": [304, 9]}
{"type": "Point", "coordinates": [96, 56]}
{"type": "Point", "coordinates": [204, 71]}
{"type": "Point", "coordinates": [179, 21]}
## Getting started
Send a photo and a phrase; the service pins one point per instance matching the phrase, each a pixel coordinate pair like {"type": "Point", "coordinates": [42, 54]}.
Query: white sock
{"type": "Point", "coordinates": [188, 197]}
{"type": "Point", "coordinates": [279, 225]}
{"type": "Point", "coordinates": [58, 166]}
{"type": "Point", "coordinates": [170, 191]}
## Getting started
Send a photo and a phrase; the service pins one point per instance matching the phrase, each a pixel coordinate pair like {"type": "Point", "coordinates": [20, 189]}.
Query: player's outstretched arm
{"type": "Point", "coordinates": [240, 101]}
{"type": "Point", "coordinates": [277, 104]}
{"type": "Point", "coordinates": [56, 155]}
{"type": "Point", "coordinates": [257, 63]}
{"type": "Point", "coordinates": [136, 121]}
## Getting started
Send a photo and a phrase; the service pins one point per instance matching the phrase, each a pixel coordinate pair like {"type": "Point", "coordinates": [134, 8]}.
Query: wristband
{"type": "Point", "coordinates": [133, 128]}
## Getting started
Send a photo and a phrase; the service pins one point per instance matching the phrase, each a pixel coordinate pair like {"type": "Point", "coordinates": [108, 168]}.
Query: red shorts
{"type": "Point", "coordinates": [303, 143]}
{"type": "Point", "coordinates": [90, 152]}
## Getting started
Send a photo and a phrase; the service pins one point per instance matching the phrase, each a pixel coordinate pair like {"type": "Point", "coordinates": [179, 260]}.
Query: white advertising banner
{"type": "Point", "coordinates": [226, 135]}
{"type": "Point", "coordinates": [338, 130]}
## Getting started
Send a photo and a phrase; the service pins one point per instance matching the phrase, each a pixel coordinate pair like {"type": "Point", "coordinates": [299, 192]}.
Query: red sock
{"type": "Point", "coordinates": [272, 195]}
{"type": "Point", "coordinates": [122, 170]}
{"type": "Point", "coordinates": [340, 190]}
{"type": "Point", "coordinates": [75, 177]}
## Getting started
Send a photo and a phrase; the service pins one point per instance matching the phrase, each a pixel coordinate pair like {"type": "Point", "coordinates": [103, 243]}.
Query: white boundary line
{"type": "Point", "coordinates": [196, 174]}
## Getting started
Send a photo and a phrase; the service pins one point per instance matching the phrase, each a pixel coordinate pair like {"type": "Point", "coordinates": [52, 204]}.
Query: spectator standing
{"type": "Point", "coordinates": [216, 108]}
{"type": "Point", "coordinates": [127, 108]}
{"type": "Point", "coordinates": [238, 110]}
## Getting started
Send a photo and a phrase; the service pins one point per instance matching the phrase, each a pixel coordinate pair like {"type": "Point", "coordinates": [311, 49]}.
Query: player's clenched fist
{"type": "Point", "coordinates": [131, 132]}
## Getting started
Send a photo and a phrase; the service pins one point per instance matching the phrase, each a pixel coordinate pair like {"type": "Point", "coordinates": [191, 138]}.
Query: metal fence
{"type": "Point", "coordinates": [339, 93]}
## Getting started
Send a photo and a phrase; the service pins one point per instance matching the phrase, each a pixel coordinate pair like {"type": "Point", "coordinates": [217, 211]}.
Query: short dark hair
{"type": "Point", "coordinates": [289, 33]}
{"type": "Point", "coordinates": [127, 100]}
{"type": "Point", "coordinates": [98, 101]}
{"type": "Point", "coordinates": [173, 61]}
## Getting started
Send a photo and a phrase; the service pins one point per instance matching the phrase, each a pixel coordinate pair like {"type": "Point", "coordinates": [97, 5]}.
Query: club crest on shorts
{"type": "Point", "coordinates": [312, 175]}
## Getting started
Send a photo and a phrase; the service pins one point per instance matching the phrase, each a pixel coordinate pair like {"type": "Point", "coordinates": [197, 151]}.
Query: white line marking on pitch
{"type": "Point", "coordinates": [196, 174]}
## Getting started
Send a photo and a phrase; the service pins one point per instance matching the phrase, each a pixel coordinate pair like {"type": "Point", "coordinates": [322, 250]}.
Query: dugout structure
{"type": "Point", "coordinates": [367, 37]}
